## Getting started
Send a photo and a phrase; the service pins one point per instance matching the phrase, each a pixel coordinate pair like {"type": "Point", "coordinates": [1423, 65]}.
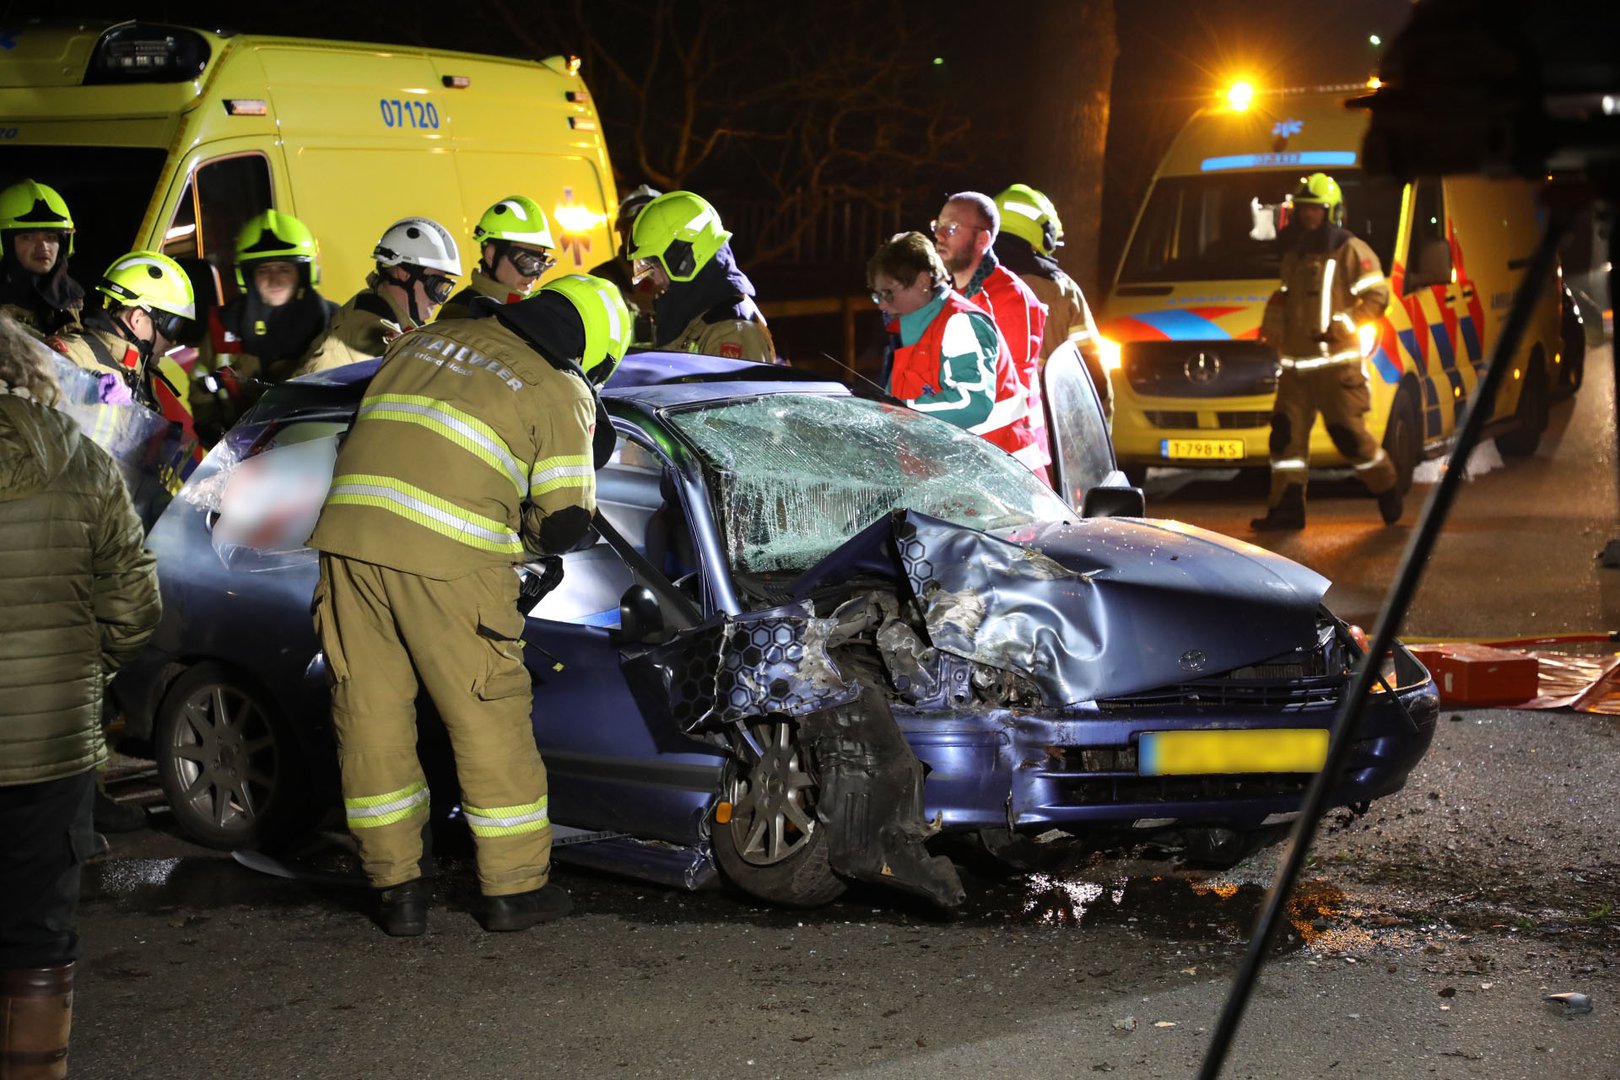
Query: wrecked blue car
{"type": "Point", "coordinates": [816, 631]}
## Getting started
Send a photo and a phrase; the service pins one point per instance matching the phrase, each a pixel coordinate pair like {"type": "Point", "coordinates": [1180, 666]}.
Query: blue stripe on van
{"type": "Point", "coordinates": [1179, 325]}
{"type": "Point", "coordinates": [1471, 339]}
{"type": "Point", "coordinates": [1280, 160]}
{"type": "Point", "coordinates": [1386, 366]}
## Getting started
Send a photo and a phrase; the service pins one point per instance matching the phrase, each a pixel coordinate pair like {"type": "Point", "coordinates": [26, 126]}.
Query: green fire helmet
{"type": "Point", "coordinates": [680, 230]}
{"type": "Point", "coordinates": [151, 280]}
{"type": "Point", "coordinates": [28, 204]}
{"type": "Point", "coordinates": [608, 326]}
{"type": "Point", "coordinates": [1320, 189]}
{"type": "Point", "coordinates": [1029, 215]}
{"type": "Point", "coordinates": [516, 218]}
{"type": "Point", "coordinates": [279, 237]}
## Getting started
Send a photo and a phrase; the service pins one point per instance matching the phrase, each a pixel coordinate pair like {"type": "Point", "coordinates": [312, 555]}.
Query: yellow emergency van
{"type": "Point", "coordinates": [170, 138]}
{"type": "Point", "coordinates": [1193, 385]}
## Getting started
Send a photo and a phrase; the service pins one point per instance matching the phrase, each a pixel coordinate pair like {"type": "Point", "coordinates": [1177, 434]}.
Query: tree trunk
{"type": "Point", "coordinates": [1072, 44]}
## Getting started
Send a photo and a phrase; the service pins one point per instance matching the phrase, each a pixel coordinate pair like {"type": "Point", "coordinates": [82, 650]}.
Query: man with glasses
{"type": "Point", "coordinates": [514, 248]}
{"type": "Point", "coordinates": [417, 269]}
{"type": "Point", "coordinates": [963, 234]}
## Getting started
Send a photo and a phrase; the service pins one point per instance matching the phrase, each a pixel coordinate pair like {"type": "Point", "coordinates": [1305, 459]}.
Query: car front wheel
{"type": "Point", "coordinates": [770, 844]}
{"type": "Point", "coordinates": [226, 761]}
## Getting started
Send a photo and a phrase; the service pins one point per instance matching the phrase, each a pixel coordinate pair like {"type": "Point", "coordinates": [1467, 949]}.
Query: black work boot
{"type": "Point", "coordinates": [1390, 505]}
{"type": "Point", "coordinates": [1287, 515]}
{"type": "Point", "coordinates": [523, 910]}
{"type": "Point", "coordinates": [402, 910]}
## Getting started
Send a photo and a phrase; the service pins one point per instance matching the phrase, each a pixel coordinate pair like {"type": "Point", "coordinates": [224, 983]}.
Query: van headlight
{"type": "Point", "coordinates": [1109, 353]}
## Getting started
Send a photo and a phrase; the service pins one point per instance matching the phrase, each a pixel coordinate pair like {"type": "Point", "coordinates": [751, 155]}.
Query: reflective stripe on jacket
{"type": "Point", "coordinates": [1324, 297]}
{"type": "Point", "coordinates": [470, 438]}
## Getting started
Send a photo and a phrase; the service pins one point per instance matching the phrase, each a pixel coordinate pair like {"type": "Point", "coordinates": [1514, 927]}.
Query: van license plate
{"type": "Point", "coordinates": [1201, 449]}
{"type": "Point", "coordinates": [1187, 753]}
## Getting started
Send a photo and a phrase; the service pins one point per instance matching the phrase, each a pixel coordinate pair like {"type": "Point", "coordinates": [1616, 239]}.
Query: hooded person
{"type": "Point", "coordinates": [471, 454]}
{"type": "Point", "coordinates": [705, 303]}
{"type": "Point", "coordinates": [80, 595]}
{"type": "Point", "coordinates": [36, 241]}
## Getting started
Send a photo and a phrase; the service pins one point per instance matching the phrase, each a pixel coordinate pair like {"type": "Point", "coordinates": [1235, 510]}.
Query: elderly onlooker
{"type": "Point", "coordinates": [946, 357]}
{"type": "Point", "coordinates": [963, 233]}
{"type": "Point", "coordinates": [80, 597]}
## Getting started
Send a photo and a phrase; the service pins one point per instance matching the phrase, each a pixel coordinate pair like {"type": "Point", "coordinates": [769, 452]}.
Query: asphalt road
{"type": "Point", "coordinates": [1421, 942]}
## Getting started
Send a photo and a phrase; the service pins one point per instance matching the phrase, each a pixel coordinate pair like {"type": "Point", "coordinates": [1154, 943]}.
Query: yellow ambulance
{"type": "Point", "coordinates": [170, 138]}
{"type": "Point", "coordinates": [1193, 385]}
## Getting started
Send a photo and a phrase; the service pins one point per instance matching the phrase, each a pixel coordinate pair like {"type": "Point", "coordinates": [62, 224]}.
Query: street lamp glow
{"type": "Point", "coordinates": [1239, 96]}
{"type": "Point", "coordinates": [1375, 40]}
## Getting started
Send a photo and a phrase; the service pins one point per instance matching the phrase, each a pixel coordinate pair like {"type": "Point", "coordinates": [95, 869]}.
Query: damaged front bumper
{"type": "Point", "coordinates": [1032, 770]}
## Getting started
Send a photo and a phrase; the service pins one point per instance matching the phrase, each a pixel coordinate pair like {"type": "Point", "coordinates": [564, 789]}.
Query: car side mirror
{"type": "Point", "coordinates": [640, 617]}
{"type": "Point", "coordinates": [1105, 501]}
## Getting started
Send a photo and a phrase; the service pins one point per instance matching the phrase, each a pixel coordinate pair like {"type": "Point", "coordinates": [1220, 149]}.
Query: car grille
{"type": "Point", "coordinates": [1171, 418]}
{"type": "Point", "coordinates": [1230, 693]}
{"type": "Point", "coordinates": [1243, 419]}
{"type": "Point", "coordinates": [1114, 790]}
{"type": "Point", "coordinates": [1200, 369]}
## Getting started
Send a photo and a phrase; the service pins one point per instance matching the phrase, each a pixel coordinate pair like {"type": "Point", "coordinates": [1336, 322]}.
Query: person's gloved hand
{"type": "Point", "coordinates": [113, 390]}
{"type": "Point", "coordinates": [537, 579]}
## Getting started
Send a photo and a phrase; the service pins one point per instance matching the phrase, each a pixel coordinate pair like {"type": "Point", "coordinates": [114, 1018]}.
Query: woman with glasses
{"type": "Point", "coordinates": [945, 355]}
{"type": "Point", "coordinates": [514, 248]}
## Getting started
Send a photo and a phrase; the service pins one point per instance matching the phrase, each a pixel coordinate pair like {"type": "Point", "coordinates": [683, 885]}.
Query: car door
{"type": "Point", "coordinates": [613, 760]}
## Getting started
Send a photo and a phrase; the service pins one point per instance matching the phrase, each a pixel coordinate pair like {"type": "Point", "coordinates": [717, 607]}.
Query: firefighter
{"type": "Point", "coordinates": [36, 231]}
{"type": "Point", "coordinates": [265, 331]}
{"type": "Point", "coordinates": [705, 303]}
{"type": "Point", "coordinates": [1031, 233]}
{"type": "Point", "coordinates": [417, 269]}
{"type": "Point", "coordinates": [638, 295]}
{"type": "Point", "coordinates": [514, 248]}
{"type": "Point", "coordinates": [1332, 285]}
{"type": "Point", "coordinates": [963, 234]}
{"type": "Point", "coordinates": [471, 454]}
{"type": "Point", "coordinates": [147, 303]}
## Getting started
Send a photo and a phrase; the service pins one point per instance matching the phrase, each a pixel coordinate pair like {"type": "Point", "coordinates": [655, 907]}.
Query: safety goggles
{"type": "Point", "coordinates": [530, 263]}
{"type": "Point", "coordinates": [438, 287]}
{"type": "Point", "coordinates": [167, 323]}
{"type": "Point", "coordinates": [945, 232]}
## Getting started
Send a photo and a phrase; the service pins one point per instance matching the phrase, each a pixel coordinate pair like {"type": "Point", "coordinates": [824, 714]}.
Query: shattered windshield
{"type": "Point", "coordinates": [793, 476]}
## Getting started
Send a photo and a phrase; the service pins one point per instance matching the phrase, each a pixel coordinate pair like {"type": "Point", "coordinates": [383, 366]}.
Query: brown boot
{"type": "Point", "coordinates": [36, 1013]}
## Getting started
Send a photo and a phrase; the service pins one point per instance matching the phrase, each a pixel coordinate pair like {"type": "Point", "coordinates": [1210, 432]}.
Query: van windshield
{"type": "Point", "coordinates": [1223, 226]}
{"type": "Point", "coordinates": [107, 190]}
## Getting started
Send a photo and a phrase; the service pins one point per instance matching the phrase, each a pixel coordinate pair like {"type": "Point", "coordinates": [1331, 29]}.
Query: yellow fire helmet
{"type": "Point", "coordinates": [275, 236]}
{"type": "Point", "coordinates": [1029, 215]}
{"type": "Point", "coordinates": [608, 326]}
{"type": "Point", "coordinates": [679, 229]}
{"type": "Point", "coordinates": [29, 205]}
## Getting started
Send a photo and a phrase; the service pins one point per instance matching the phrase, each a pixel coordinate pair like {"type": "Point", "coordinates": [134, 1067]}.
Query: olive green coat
{"type": "Point", "coordinates": [78, 592]}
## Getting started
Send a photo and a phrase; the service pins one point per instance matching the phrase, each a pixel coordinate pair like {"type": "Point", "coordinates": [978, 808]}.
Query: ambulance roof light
{"type": "Point", "coordinates": [147, 52]}
{"type": "Point", "coordinates": [1240, 95]}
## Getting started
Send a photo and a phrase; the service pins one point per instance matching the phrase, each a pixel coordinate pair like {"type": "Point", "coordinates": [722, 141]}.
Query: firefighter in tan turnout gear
{"type": "Point", "coordinates": [471, 454]}
{"type": "Point", "coordinates": [1331, 286]}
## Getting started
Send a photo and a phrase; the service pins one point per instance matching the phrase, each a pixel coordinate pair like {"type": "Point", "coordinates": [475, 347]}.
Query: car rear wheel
{"type": "Point", "coordinates": [771, 846]}
{"type": "Point", "coordinates": [1403, 437]}
{"type": "Point", "coordinates": [228, 765]}
{"type": "Point", "coordinates": [1531, 415]}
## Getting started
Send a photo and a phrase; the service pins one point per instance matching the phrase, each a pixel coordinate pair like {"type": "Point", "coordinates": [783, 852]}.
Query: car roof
{"type": "Point", "coordinates": [657, 379]}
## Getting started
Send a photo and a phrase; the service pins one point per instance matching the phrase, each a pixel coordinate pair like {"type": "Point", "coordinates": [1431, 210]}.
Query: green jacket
{"type": "Point", "coordinates": [79, 593]}
{"type": "Point", "coordinates": [469, 448]}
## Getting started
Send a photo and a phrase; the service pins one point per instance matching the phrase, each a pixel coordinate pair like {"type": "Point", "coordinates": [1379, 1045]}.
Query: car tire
{"type": "Point", "coordinates": [1403, 437]}
{"type": "Point", "coordinates": [1220, 848]}
{"type": "Point", "coordinates": [230, 769]}
{"type": "Point", "coordinates": [1530, 414]}
{"type": "Point", "coordinates": [771, 846]}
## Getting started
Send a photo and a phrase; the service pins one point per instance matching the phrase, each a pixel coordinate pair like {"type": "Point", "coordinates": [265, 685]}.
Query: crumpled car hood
{"type": "Point", "coordinates": [1100, 608]}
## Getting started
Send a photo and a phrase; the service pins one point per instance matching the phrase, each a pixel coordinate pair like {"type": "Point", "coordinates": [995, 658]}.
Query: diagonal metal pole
{"type": "Point", "coordinates": [1540, 272]}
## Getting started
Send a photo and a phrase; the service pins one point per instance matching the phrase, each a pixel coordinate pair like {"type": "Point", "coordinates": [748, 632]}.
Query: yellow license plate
{"type": "Point", "coordinates": [1187, 753]}
{"type": "Point", "coordinates": [1201, 449]}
